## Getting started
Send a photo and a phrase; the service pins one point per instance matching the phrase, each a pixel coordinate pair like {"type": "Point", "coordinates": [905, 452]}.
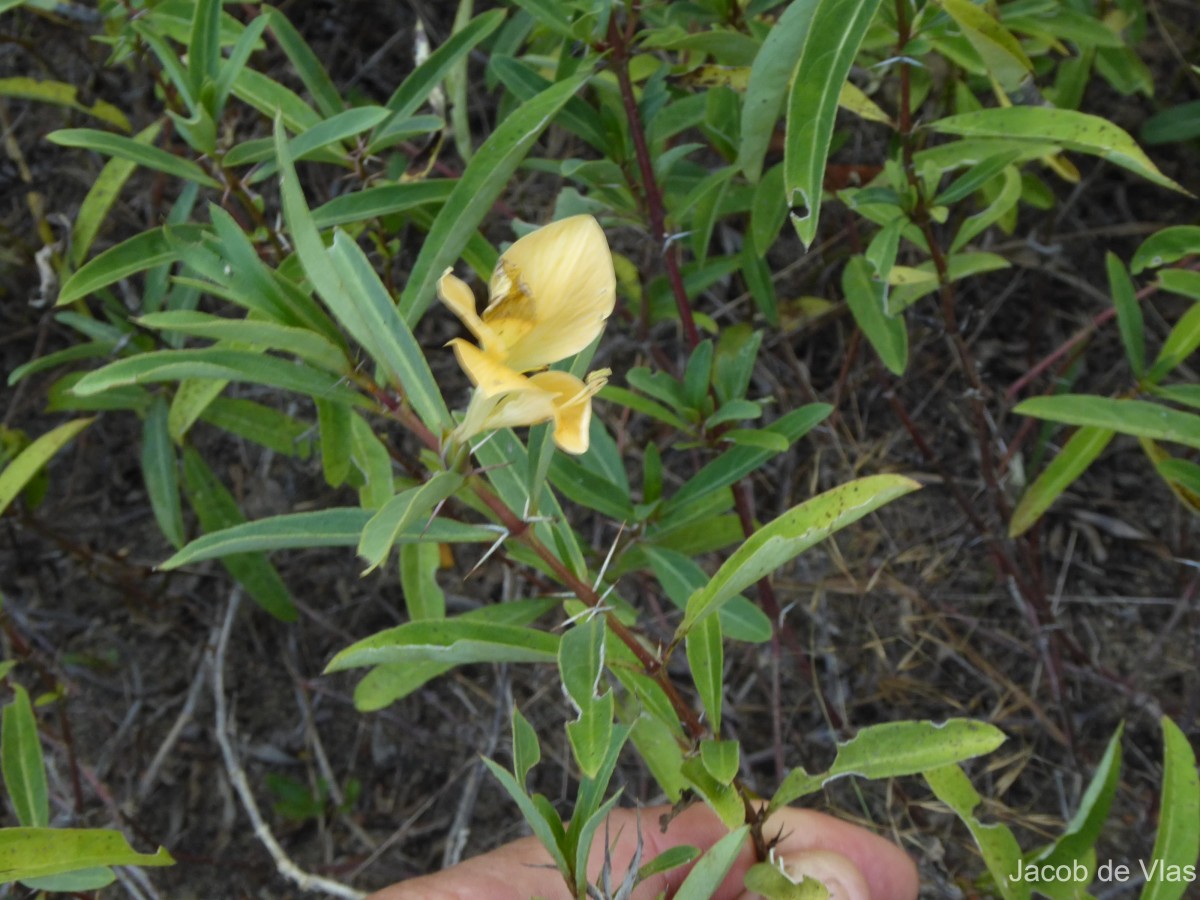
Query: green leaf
{"type": "Point", "coordinates": [659, 750]}
{"type": "Point", "coordinates": [721, 758]}
{"type": "Point", "coordinates": [307, 65]}
{"type": "Point", "coordinates": [416, 88]}
{"type": "Point", "coordinates": [669, 859]}
{"type": "Point", "coordinates": [527, 752]}
{"type": "Point", "coordinates": [1136, 417]}
{"type": "Point", "coordinates": [312, 143]}
{"type": "Point", "coordinates": [251, 333]}
{"type": "Point", "coordinates": [100, 198]}
{"type": "Point", "coordinates": [62, 94]}
{"type": "Point", "coordinates": [231, 68]}
{"type": "Point", "coordinates": [707, 875]}
{"type": "Point", "coordinates": [127, 148]}
{"type": "Point", "coordinates": [769, 882]}
{"type": "Point", "coordinates": [402, 513]}
{"type": "Point", "coordinates": [958, 267]}
{"type": "Point", "coordinates": [386, 684]}
{"type": "Point", "coordinates": [217, 364]}
{"type": "Point", "coordinates": [145, 251]}
{"type": "Point", "coordinates": [1180, 344]}
{"type": "Point", "coordinates": [423, 598]}
{"type": "Point", "coordinates": [586, 488]}
{"type": "Point", "coordinates": [590, 733]}
{"type": "Point", "coordinates": [38, 852]}
{"type": "Point", "coordinates": [1072, 461]}
{"type": "Point", "coordinates": [770, 75]}
{"type": "Point", "coordinates": [339, 527]}
{"type": "Point", "coordinates": [453, 641]}
{"type": "Point", "coordinates": [789, 535]}
{"type": "Point", "coordinates": [1177, 843]}
{"type": "Point", "coordinates": [827, 50]}
{"type": "Point", "coordinates": [1007, 197]}
{"type": "Point", "coordinates": [385, 200]}
{"type": "Point", "coordinates": [1067, 128]}
{"type": "Point", "coordinates": [272, 99]}
{"type": "Point", "coordinates": [217, 510]}
{"type": "Point", "coordinates": [18, 473]}
{"type": "Point", "coordinates": [345, 280]}
{"type": "Point", "coordinates": [706, 659]}
{"type": "Point", "coordinates": [1000, 851]}
{"type": "Point", "coordinates": [867, 298]}
{"type": "Point", "coordinates": [160, 471]}
{"type": "Point", "coordinates": [894, 749]}
{"type": "Point", "coordinates": [23, 766]}
{"type": "Point", "coordinates": [261, 424]}
{"type": "Point", "coordinates": [1129, 313]}
{"type": "Point", "coordinates": [484, 178]}
{"type": "Point", "coordinates": [1001, 52]}
{"type": "Point", "coordinates": [737, 462]}
{"type": "Point", "coordinates": [680, 576]}
{"type": "Point", "coordinates": [204, 47]}
{"type": "Point", "coordinates": [581, 659]}
{"type": "Point", "coordinates": [1166, 246]}
{"type": "Point", "coordinates": [77, 881]}
{"type": "Point", "coordinates": [1082, 832]}
{"type": "Point", "coordinates": [542, 826]}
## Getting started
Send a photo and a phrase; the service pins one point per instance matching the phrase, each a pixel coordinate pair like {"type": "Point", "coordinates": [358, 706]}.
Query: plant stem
{"type": "Point", "coordinates": [619, 42]}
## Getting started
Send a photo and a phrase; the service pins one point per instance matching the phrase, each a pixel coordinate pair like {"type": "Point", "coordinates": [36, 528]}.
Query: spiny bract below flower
{"type": "Point", "coordinates": [549, 297]}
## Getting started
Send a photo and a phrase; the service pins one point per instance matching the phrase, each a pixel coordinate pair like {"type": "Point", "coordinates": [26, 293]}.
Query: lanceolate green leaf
{"type": "Point", "coordinates": [33, 458]}
{"type": "Point", "coordinates": [481, 183]}
{"type": "Point", "coordinates": [713, 866]}
{"type": "Point", "coordinates": [455, 641]}
{"type": "Point", "coordinates": [381, 201]}
{"type": "Point", "coordinates": [1178, 841]}
{"type": "Point", "coordinates": [1066, 128]}
{"type": "Point", "coordinates": [402, 513]}
{"type": "Point", "coordinates": [145, 251]}
{"type": "Point", "coordinates": [414, 90]}
{"type": "Point", "coordinates": [790, 535]}
{"type": "Point", "coordinates": [1136, 417]}
{"type": "Point", "coordinates": [1000, 851]}
{"type": "Point", "coordinates": [338, 527]}
{"type": "Point", "coordinates": [127, 148]}
{"type": "Point", "coordinates": [706, 659]}
{"type": "Point", "coordinates": [160, 471]}
{"type": "Point", "coordinates": [1085, 826]}
{"type": "Point", "coordinates": [231, 365]}
{"type": "Point", "coordinates": [867, 298]}
{"type": "Point", "coordinates": [1129, 314]}
{"type": "Point", "coordinates": [829, 46]}
{"type": "Point", "coordinates": [1080, 451]}
{"type": "Point", "coordinates": [21, 755]}
{"type": "Point", "coordinates": [100, 198]}
{"type": "Point", "coordinates": [217, 509]}
{"type": "Point", "coordinates": [61, 94]}
{"type": "Point", "coordinates": [308, 66]}
{"type": "Point", "coordinates": [770, 76]}
{"type": "Point", "coordinates": [38, 852]}
{"type": "Point", "coordinates": [391, 341]}
{"type": "Point", "coordinates": [894, 749]}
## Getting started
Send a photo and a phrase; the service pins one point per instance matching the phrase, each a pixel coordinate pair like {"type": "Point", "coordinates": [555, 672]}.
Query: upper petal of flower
{"type": "Point", "coordinates": [551, 292]}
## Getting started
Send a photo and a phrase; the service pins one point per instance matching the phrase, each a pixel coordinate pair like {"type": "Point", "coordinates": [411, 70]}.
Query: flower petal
{"type": "Point", "coordinates": [455, 293]}
{"type": "Point", "coordinates": [551, 292]}
{"type": "Point", "coordinates": [491, 375]}
{"type": "Point", "coordinates": [572, 406]}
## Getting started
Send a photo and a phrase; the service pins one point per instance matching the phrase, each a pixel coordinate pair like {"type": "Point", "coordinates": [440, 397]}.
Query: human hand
{"type": "Point", "coordinates": [852, 862]}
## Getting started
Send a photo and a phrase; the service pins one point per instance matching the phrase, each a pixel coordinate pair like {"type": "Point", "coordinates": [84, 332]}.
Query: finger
{"type": "Point", "coordinates": [523, 868]}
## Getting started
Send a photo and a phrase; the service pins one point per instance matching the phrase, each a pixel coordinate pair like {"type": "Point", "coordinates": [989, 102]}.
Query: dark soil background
{"type": "Point", "coordinates": [902, 616]}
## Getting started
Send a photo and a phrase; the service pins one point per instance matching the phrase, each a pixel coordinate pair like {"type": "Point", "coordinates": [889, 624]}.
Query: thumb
{"type": "Point", "coordinates": [840, 876]}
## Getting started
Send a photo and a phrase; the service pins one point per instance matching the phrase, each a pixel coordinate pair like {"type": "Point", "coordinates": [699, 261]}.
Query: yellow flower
{"type": "Point", "coordinates": [549, 297]}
